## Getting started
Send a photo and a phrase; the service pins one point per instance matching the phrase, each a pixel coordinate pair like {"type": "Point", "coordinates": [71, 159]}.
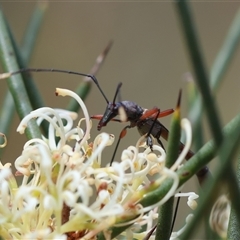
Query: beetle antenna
{"type": "Point", "coordinates": [94, 79]}
{"type": "Point", "coordinates": [117, 91]}
{"type": "Point", "coordinates": [119, 97]}
{"type": "Point", "coordinates": [97, 84]}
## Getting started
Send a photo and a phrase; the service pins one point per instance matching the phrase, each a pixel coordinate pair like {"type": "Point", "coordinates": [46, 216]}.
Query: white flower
{"type": "Point", "coordinates": [219, 217]}
{"type": "Point", "coordinates": [65, 190]}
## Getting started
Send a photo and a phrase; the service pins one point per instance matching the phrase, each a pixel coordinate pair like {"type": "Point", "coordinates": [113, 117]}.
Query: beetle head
{"type": "Point", "coordinates": [111, 110]}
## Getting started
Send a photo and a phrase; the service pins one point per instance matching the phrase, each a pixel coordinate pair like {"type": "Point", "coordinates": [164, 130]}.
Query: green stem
{"type": "Point", "coordinates": [15, 83]}
{"type": "Point", "coordinates": [199, 69]}
{"type": "Point", "coordinates": [164, 223]}
{"type": "Point", "coordinates": [165, 212]}
{"type": "Point", "coordinates": [32, 30]}
{"type": "Point", "coordinates": [7, 111]}
{"type": "Point", "coordinates": [226, 53]}
{"type": "Point", "coordinates": [218, 69]}
{"type": "Point", "coordinates": [31, 88]}
{"type": "Point", "coordinates": [197, 127]}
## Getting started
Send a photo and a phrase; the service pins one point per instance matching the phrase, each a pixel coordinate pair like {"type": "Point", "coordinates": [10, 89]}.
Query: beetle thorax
{"type": "Point", "coordinates": [132, 110]}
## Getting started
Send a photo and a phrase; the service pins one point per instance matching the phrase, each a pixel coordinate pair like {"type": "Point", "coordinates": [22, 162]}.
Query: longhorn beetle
{"type": "Point", "coordinates": [144, 119]}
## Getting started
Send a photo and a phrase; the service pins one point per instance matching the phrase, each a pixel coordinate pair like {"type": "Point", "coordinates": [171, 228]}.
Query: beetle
{"type": "Point", "coordinates": [135, 114]}
{"type": "Point", "coordinates": [144, 119]}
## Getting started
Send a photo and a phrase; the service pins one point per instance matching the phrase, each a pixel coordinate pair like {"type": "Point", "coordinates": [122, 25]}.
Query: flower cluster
{"type": "Point", "coordinates": [66, 193]}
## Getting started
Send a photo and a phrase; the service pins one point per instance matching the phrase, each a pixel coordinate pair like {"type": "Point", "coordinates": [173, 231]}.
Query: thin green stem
{"type": "Point", "coordinates": [31, 88]}
{"type": "Point", "coordinates": [226, 53]}
{"type": "Point", "coordinates": [32, 30]}
{"type": "Point", "coordinates": [197, 127]}
{"type": "Point", "coordinates": [15, 83]}
{"type": "Point", "coordinates": [165, 212]}
{"type": "Point", "coordinates": [7, 110]}
{"type": "Point", "coordinates": [218, 69]}
{"type": "Point", "coordinates": [164, 223]}
{"type": "Point", "coordinates": [200, 71]}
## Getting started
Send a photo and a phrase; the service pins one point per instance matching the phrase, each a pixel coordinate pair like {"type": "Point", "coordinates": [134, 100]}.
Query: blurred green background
{"type": "Point", "coordinates": [148, 55]}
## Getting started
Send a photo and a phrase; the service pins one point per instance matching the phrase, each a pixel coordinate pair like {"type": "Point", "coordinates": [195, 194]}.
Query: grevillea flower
{"type": "Point", "coordinates": [220, 215]}
{"type": "Point", "coordinates": [66, 193]}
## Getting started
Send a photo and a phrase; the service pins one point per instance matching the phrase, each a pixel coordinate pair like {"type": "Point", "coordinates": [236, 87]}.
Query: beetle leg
{"type": "Point", "coordinates": [156, 112]}
{"type": "Point", "coordinates": [165, 113]}
{"type": "Point", "coordinates": [149, 142]}
{"type": "Point", "coordinates": [149, 112]}
{"type": "Point", "coordinates": [149, 139]}
{"type": "Point", "coordinates": [121, 135]}
{"type": "Point", "coordinates": [160, 143]}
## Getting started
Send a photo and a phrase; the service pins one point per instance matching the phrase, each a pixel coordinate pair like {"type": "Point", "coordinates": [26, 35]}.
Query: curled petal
{"type": "Point", "coordinates": [4, 140]}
